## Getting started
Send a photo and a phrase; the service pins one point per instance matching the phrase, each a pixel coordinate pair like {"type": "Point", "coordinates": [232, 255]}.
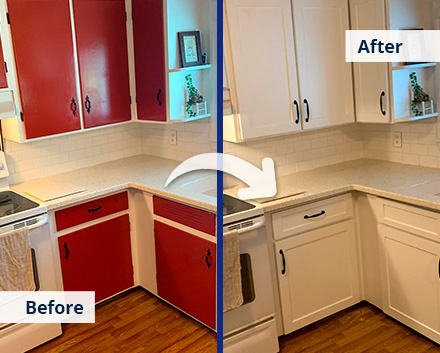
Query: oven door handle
{"type": "Point", "coordinates": [253, 227]}
{"type": "Point", "coordinates": [40, 223]}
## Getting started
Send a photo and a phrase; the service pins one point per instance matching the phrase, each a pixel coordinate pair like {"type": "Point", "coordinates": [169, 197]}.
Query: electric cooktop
{"type": "Point", "coordinates": [11, 203]}
{"type": "Point", "coordinates": [232, 205]}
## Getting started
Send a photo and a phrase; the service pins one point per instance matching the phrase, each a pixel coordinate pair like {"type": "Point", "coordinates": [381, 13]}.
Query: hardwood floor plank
{"type": "Point", "coordinates": [359, 329]}
{"type": "Point", "coordinates": [134, 322]}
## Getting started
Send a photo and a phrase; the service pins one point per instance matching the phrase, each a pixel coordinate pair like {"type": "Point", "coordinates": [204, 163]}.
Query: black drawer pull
{"type": "Point", "coordinates": [297, 111]}
{"type": "Point", "coordinates": [381, 104]}
{"type": "Point", "coordinates": [73, 106]}
{"type": "Point", "coordinates": [283, 271]}
{"type": "Point", "coordinates": [90, 210]}
{"type": "Point", "coordinates": [67, 251]}
{"type": "Point", "coordinates": [322, 213]}
{"type": "Point", "coordinates": [208, 259]}
{"type": "Point", "coordinates": [88, 104]}
{"type": "Point", "coordinates": [158, 97]}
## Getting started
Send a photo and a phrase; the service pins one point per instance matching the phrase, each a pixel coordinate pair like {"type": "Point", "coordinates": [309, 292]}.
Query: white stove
{"type": "Point", "coordinates": [250, 327]}
{"type": "Point", "coordinates": [18, 211]}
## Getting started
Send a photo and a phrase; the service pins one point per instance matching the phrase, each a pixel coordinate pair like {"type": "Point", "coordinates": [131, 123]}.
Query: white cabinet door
{"type": "Point", "coordinates": [370, 79]}
{"type": "Point", "coordinates": [410, 271]}
{"type": "Point", "coordinates": [263, 56]}
{"type": "Point", "coordinates": [326, 80]}
{"type": "Point", "coordinates": [318, 274]}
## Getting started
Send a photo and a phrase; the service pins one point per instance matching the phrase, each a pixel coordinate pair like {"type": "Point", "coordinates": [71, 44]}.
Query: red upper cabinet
{"type": "Point", "coordinates": [186, 271]}
{"type": "Point", "coordinates": [103, 61]}
{"type": "Point", "coordinates": [149, 56]}
{"type": "Point", "coordinates": [43, 47]}
{"type": "Point", "coordinates": [3, 80]}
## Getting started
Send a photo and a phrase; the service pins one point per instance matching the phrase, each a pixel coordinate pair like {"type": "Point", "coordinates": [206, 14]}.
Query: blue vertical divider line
{"type": "Point", "coordinates": [220, 176]}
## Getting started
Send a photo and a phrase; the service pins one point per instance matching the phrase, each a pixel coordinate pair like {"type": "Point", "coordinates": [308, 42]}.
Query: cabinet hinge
{"type": "Point", "coordinates": [125, 15]}
{"type": "Point", "coordinates": [21, 117]}
{"type": "Point", "coordinates": [7, 18]}
{"type": "Point", "coordinates": [130, 99]}
{"type": "Point", "coordinates": [6, 67]}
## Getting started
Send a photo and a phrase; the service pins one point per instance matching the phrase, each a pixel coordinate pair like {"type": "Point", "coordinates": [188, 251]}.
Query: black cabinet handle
{"type": "Point", "coordinates": [283, 271]}
{"type": "Point", "coordinates": [439, 268]}
{"type": "Point", "coordinates": [208, 258]}
{"type": "Point", "coordinates": [322, 213]}
{"type": "Point", "coordinates": [73, 106]}
{"type": "Point", "coordinates": [67, 251]}
{"type": "Point", "coordinates": [381, 103]}
{"type": "Point", "coordinates": [88, 104]}
{"type": "Point", "coordinates": [306, 102]}
{"type": "Point", "coordinates": [297, 111]}
{"type": "Point", "coordinates": [90, 210]}
{"type": "Point", "coordinates": [158, 97]}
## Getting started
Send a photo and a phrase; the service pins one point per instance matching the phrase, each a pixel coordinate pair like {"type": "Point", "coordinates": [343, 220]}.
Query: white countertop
{"type": "Point", "coordinates": [146, 173]}
{"type": "Point", "coordinates": [385, 179]}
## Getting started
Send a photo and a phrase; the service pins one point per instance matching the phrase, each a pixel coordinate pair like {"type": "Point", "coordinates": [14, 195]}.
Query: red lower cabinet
{"type": "Point", "coordinates": [186, 272]}
{"type": "Point", "coordinates": [98, 258]}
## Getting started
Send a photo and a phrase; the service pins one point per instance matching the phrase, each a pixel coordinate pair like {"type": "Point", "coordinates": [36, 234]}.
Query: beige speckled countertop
{"type": "Point", "coordinates": [146, 173]}
{"type": "Point", "coordinates": [385, 179]}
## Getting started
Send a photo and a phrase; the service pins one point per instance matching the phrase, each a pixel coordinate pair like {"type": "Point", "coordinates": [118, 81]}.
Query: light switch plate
{"type": "Point", "coordinates": [173, 137]}
{"type": "Point", "coordinates": [397, 140]}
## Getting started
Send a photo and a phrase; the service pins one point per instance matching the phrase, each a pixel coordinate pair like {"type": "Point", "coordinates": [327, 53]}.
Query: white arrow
{"type": "Point", "coordinates": [262, 183]}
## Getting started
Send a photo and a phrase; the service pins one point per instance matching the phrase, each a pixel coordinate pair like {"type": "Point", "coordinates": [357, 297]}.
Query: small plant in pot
{"type": "Point", "coordinates": [419, 95]}
{"type": "Point", "coordinates": [194, 97]}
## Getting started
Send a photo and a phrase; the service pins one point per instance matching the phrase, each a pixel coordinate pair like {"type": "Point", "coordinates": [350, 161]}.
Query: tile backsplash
{"type": "Point", "coordinates": [419, 145]}
{"type": "Point", "coordinates": [291, 153]}
{"type": "Point", "coordinates": [305, 150]}
{"type": "Point", "coordinates": [62, 154]}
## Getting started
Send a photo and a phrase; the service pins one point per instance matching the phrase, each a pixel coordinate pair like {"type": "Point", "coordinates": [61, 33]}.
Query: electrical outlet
{"type": "Point", "coordinates": [397, 139]}
{"type": "Point", "coordinates": [173, 137]}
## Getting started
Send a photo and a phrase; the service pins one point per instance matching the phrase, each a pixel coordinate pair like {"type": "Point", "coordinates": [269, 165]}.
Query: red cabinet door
{"type": "Point", "coordinates": [43, 47]}
{"type": "Point", "coordinates": [3, 80]}
{"type": "Point", "coordinates": [98, 258]}
{"type": "Point", "coordinates": [149, 57]}
{"type": "Point", "coordinates": [103, 61]}
{"type": "Point", "coordinates": [186, 271]}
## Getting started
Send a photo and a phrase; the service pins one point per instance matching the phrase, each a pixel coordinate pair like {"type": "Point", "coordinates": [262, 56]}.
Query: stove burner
{"type": "Point", "coordinates": [8, 209]}
{"type": "Point", "coordinates": [11, 203]}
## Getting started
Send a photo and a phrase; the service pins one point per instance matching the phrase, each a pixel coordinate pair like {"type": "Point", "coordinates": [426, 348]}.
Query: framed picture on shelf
{"type": "Point", "coordinates": [416, 45]}
{"type": "Point", "coordinates": [190, 48]}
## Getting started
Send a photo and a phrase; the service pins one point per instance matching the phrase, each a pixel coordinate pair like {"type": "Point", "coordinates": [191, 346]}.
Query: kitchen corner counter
{"type": "Point", "coordinates": [384, 179]}
{"type": "Point", "coordinates": [146, 173]}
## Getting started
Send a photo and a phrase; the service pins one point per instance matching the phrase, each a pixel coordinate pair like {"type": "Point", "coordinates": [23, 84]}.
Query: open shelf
{"type": "Point", "coordinates": [191, 68]}
{"type": "Point", "coordinates": [190, 119]}
{"type": "Point", "coordinates": [414, 66]}
{"type": "Point", "coordinates": [413, 118]}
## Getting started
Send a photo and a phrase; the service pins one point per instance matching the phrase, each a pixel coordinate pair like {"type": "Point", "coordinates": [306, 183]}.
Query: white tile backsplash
{"type": "Point", "coordinates": [291, 153]}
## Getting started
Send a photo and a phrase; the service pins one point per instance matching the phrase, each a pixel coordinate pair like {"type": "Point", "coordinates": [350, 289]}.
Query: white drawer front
{"type": "Point", "coordinates": [315, 215]}
{"type": "Point", "coordinates": [409, 218]}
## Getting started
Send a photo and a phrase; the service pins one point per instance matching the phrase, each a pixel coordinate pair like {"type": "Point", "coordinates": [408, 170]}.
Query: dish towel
{"type": "Point", "coordinates": [232, 290]}
{"type": "Point", "coordinates": [16, 270]}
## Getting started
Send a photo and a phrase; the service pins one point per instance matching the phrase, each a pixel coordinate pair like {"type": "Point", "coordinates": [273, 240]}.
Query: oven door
{"type": "Point", "coordinates": [256, 281]}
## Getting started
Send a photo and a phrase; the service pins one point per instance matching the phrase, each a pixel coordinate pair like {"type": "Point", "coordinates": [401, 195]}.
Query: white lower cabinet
{"type": "Point", "coordinates": [318, 274]}
{"type": "Point", "coordinates": [410, 271]}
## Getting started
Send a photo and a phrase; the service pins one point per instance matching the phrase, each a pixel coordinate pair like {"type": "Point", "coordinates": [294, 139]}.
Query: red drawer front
{"type": "Point", "coordinates": [89, 211]}
{"type": "Point", "coordinates": [186, 215]}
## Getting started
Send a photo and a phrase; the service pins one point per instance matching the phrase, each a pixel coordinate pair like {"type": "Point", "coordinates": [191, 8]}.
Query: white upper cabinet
{"type": "Point", "coordinates": [383, 90]}
{"type": "Point", "coordinates": [326, 80]}
{"type": "Point", "coordinates": [371, 79]}
{"type": "Point", "coordinates": [262, 48]}
{"type": "Point", "coordinates": [266, 93]}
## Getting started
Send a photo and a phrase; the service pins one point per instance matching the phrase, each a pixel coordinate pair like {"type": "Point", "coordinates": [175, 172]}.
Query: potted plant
{"type": "Point", "coordinates": [195, 105]}
{"type": "Point", "coordinates": [419, 97]}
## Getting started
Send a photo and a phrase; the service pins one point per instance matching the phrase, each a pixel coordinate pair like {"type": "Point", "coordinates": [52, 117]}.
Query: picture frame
{"type": "Point", "coordinates": [417, 50]}
{"type": "Point", "coordinates": [190, 48]}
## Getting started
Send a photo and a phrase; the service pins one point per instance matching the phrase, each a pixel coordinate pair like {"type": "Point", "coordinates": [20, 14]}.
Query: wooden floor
{"type": "Point", "coordinates": [135, 321]}
{"type": "Point", "coordinates": [362, 328]}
